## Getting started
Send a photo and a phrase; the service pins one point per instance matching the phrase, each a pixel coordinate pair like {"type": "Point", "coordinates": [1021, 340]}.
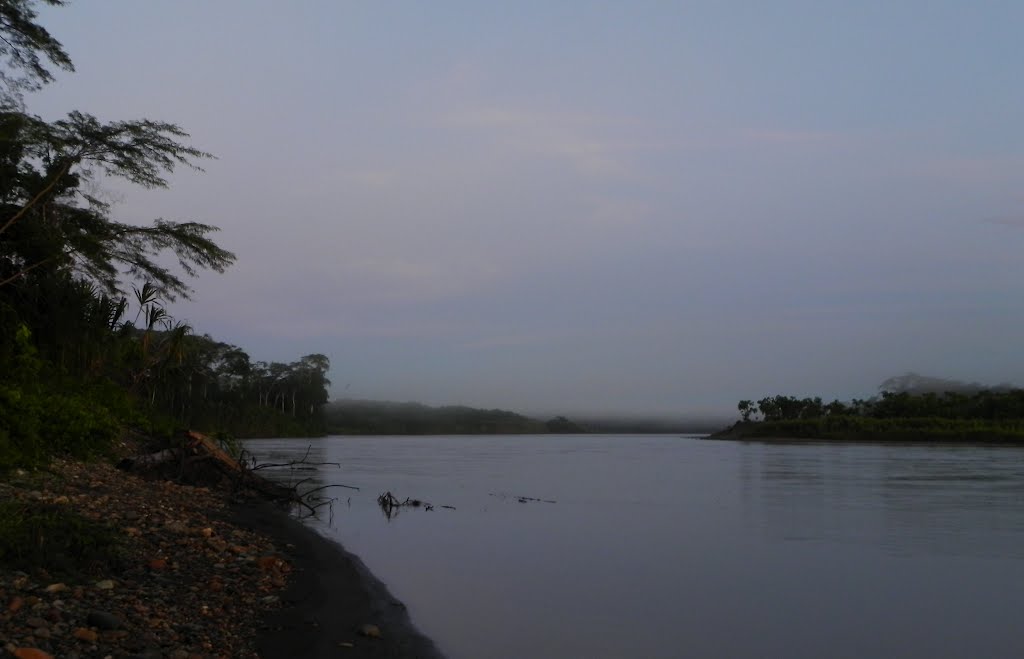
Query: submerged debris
{"type": "Point", "coordinates": [520, 499]}
{"type": "Point", "coordinates": [391, 505]}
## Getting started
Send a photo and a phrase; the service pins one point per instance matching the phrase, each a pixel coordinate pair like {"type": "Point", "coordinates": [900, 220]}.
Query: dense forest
{"type": "Point", "coordinates": [89, 345]}
{"type": "Point", "coordinates": [365, 417]}
{"type": "Point", "coordinates": [908, 408]}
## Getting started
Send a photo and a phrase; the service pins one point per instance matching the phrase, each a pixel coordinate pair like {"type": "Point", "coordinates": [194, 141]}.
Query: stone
{"type": "Point", "coordinates": [106, 584]}
{"type": "Point", "coordinates": [31, 653]}
{"type": "Point", "coordinates": [56, 588]}
{"type": "Point", "coordinates": [16, 604]}
{"type": "Point", "coordinates": [36, 622]}
{"type": "Point", "coordinates": [103, 620]}
{"type": "Point", "coordinates": [87, 635]}
{"type": "Point", "coordinates": [157, 564]}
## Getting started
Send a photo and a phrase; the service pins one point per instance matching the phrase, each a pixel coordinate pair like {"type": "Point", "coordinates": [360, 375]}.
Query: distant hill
{"type": "Point", "coordinates": [916, 384]}
{"type": "Point", "coordinates": [370, 417]}
{"type": "Point", "coordinates": [374, 417]}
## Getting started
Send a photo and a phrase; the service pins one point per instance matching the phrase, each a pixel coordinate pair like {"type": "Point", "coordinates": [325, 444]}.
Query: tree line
{"type": "Point", "coordinates": [970, 414]}
{"type": "Point", "coordinates": [987, 405]}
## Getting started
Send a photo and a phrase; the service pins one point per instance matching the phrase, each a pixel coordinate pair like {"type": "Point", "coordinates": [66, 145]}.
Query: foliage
{"type": "Point", "coordinates": [979, 416]}
{"type": "Point", "coordinates": [52, 537]}
{"type": "Point", "coordinates": [74, 367]}
{"type": "Point", "coordinates": [25, 45]}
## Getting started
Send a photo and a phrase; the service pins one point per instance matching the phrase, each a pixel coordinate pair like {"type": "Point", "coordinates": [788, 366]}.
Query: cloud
{"type": "Point", "coordinates": [575, 138]}
{"type": "Point", "coordinates": [1012, 221]}
{"type": "Point", "coordinates": [973, 171]}
{"type": "Point", "coordinates": [797, 137]}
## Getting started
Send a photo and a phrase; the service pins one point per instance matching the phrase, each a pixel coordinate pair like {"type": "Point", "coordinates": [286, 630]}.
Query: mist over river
{"type": "Point", "coordinates": [666, 546]}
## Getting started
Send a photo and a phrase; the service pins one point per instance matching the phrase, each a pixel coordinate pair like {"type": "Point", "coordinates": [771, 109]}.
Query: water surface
{"type": "Point", "coordinates": [667, 546]}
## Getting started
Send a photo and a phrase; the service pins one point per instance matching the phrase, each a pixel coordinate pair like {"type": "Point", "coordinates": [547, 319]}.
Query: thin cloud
{"type": "Point", "coordinates": [798, 137]}
{"type": "Point", "coordinates": [569, 137]}
{"type": "Point", "coordinates": [1015, 222]}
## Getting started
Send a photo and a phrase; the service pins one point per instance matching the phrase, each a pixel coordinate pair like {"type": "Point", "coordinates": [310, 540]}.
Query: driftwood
{"type": "Point", "coordinates": [201, 459]}
{"type": "Point", "coordinates": [391, 505]}
{"type": "Point", "coordinates": [520, 499]}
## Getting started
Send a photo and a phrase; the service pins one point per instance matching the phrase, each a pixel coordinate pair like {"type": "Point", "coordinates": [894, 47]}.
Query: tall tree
{"type": "Point", "coordinates": [51, 220]}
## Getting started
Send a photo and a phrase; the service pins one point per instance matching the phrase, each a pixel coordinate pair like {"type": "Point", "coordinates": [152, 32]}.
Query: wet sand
{"type": "Point", "coordinates": [330, 597]}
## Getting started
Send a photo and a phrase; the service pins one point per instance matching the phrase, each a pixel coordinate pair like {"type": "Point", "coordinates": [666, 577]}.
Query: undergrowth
{"type": "Point", "coordinates": [50, 537]}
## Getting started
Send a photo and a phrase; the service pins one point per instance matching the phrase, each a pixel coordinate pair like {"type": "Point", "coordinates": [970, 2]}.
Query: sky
{"type": "Point", "coordinates": [586, 207]}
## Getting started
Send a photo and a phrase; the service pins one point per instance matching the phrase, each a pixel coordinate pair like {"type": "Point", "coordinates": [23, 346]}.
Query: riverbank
{"type": "Point", "coordinates": [189, 573]}
{"type": "Point", "coordinates": [862, 429]}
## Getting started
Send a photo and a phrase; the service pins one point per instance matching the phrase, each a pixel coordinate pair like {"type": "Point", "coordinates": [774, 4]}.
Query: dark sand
{"type": "Point", "coordinates": [331, 595]}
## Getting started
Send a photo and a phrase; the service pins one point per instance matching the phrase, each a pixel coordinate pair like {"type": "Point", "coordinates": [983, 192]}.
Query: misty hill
{"type": "Point", "coordinates": [916, 384]}
{"type": "Point", "coordinates": [369, 417]}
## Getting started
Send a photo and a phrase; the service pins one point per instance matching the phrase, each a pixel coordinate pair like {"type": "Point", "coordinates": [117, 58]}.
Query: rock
{"type": "Point", "coordinates": [106, 584]}
{"type": "Point", "coordinates": [87, 635]}
{"type": "Point", "coordinates": [16, 605]}
{"type": "Point", "coordinates": [370, 631]}
{"type": "Point", "coordinates": [31, 653]}
{"type": "Point", "coordinates": [157, 564]}
{"type": "Point", "coordinates": [62, 499]}
{"type": "Point", "coordinates": [56, 588]}
{"type": "Point", "coordinates": [41, 632]}
{"type": "Point", "coordinates": [115, 635]}
{"type": "Point", "coordinates": [103, 620]}
{"type": "Point", "coordinates": [36, 622]}
{"type": "Point", "coordinates": [268, 562]}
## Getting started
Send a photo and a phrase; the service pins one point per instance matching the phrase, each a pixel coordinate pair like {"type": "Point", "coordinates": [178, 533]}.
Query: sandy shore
{"type": "Point", "coordinates": [330, 597]}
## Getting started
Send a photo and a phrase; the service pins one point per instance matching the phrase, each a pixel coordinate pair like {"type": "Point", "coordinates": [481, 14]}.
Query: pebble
{"type": "Point", "coordinates": [31, 653]}
{"type": "Point", "coordinates": [370, 631]}
{"type": "Point", "coordinates": [151, 606]}
{"type": "Point", "coordinates": [85, 634]}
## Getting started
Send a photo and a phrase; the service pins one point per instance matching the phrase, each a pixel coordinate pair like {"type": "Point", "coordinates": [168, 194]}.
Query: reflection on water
{"type": "Point", "coordinates": [905, 499]}
{"type": "Point", "coordinates": [301, 468]}
{"type": "Point", "coordinates": [613, 546]}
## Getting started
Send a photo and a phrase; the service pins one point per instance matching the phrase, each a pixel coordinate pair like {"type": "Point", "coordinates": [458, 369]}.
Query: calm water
{"type": "Point", "coordinates": [666, 546]}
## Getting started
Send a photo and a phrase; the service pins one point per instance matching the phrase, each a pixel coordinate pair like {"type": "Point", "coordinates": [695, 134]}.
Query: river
{"type": "Point", "coordinates": [667, 546]}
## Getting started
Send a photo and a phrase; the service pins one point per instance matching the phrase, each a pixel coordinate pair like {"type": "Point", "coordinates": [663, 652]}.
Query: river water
{"type": "Point", "coordinates": [669, 546]}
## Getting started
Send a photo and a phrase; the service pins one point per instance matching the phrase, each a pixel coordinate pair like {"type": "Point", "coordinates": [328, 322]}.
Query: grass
{"type": "Point", "coordinates": [39, 536]}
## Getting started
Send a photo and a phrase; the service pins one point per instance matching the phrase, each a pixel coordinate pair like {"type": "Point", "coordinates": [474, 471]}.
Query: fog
{"type": "Point", "coordinates": [592, 207]}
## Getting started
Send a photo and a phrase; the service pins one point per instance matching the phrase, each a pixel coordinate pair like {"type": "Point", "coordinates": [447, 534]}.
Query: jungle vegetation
{"type": "Point", "coordinates": [88, 342]}
{"type": "Point", "coordinates": [901, 411]}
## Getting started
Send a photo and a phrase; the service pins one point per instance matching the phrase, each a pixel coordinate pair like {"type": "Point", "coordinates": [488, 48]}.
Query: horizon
{"type": "Point", "coordinates": [646, 208]}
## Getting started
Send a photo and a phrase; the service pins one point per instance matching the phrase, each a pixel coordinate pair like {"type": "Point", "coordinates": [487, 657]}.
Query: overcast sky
{"type": "Point", "coordinates": [587, 206]}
